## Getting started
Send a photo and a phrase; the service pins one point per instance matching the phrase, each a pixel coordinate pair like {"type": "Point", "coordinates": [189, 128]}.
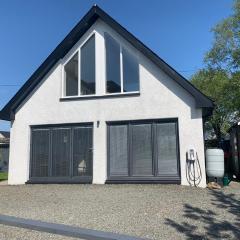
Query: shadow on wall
{"type": "Point", "coordinates": [215, 225]}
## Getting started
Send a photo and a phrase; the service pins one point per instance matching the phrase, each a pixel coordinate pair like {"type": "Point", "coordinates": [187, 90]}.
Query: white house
{"type": "Point", "coordinates": [103, 108]}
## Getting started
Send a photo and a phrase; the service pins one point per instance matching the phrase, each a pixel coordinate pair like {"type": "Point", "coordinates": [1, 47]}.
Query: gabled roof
{"type": "Point", "coordinates": [7, 113]}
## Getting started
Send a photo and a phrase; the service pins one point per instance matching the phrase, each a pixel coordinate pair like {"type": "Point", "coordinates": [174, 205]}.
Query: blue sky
{"type": "Point", "coordinates": [177, 30]}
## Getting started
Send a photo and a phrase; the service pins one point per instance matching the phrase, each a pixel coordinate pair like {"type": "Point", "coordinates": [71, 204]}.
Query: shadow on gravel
{"type": "Point", "coordinates": [215, 226]}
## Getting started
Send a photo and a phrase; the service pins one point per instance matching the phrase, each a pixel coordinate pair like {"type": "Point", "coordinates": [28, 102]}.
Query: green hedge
{"type": "Point", "coordinates": [3, 176]}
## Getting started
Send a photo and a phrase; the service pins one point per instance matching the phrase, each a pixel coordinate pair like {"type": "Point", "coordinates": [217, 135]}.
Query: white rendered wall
{"type": "Point", "coordinates": [160, 97]}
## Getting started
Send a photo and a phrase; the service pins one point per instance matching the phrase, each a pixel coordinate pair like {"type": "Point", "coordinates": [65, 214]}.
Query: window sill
{"type": "Point", "coordinates": [110, 95]}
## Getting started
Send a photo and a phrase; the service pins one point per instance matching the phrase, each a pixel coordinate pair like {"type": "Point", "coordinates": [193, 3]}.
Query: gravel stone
{"type": "Point", "coordinates": [14, 233]}
{"type": "Point", "coordinates": [151, 211]}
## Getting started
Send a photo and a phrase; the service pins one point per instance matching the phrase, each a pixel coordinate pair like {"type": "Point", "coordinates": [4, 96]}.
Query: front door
{"type": "Point", "coordinates": [62, 153]}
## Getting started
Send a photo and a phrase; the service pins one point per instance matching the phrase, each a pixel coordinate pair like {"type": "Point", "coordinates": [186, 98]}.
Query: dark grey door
{"type": "Point", "coordinates": [62, 153]}
{"type": "Point", "coordinates": [40, 152]}
{"type": "Point", "coordinates": [166, 152]}
{"type": "Point", "coordinates": [61, 157]}
{"type": "Point", "coordinates": [82, 151]}
{"type": "Point", "coordinates": [143, 151]}
{"type": "Point", "coordinates": [141, 146]}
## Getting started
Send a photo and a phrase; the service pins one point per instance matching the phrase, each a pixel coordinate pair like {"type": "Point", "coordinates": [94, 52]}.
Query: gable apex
{"type": "Point", "coordinates": [7, 113]}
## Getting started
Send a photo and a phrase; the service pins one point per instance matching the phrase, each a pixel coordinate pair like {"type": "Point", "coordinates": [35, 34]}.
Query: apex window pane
{"type": "Point", "coordinates": [130, 72]}
{"type": "Point", "coordinates": [167, 149]}
{"type": "Point", "coordinates": [71, 76]}
{"type": "Point", "coordinates": [60, 152]}
{"type": "Point", "coordinates": [142, 150]}
{"type": "Point", "coordinates": [118, 150]}
{"type": "Point", "coordinates": [40, 153]}
{"type": "Point", "coordinates": [88, 67]}
{"type": "Point", "coordinates": [82, 151]}
{"type": "Point", "coordinates": [112, 65]}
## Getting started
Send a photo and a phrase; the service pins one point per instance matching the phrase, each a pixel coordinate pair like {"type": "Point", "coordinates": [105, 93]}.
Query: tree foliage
{"type": "Point", "coordinates": [215, 84]}
{"type": "Point", "coordinates": [225, 52]}
{"type": "Point", "coordinates": [220, 79]}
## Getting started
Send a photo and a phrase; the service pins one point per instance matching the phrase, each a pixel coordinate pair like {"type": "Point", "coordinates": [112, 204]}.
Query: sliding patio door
{"type": "Point", "coordinates": [82, 151]}
{"type": "Point", "coordinates": [61, 153]}
{"type": "Point", "coordinates": [166, 152]}
{"type": "Point", "coordinates": [118, 150]}
{"type": "Point", "coordinates": [143, 151]}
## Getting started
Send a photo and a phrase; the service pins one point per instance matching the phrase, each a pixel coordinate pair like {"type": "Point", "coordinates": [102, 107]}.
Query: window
{"type": "Point", "coordinates": [118, 150]}
{"type": "Point", "coordinates": [86, 83]}
{"type": "Point", "coordinates": [40, 152]}
{"type": "Point", "coordinates": [120, 79]}
{"type": "Point", "coordinates": [60, 152]}
{"type": "Point", "coordinates": [71, 76]}
{"type": "Point", "coordinates": [88, 67]}
{"type": "Point", "coordinates": [166, 148]}
{"type": "Point", "coordinates": [122, 69]}
{"type": "Point", "coordinates": [130, 72]}
{"type": "Point", "coordinates": [143, 150]}
{"type": "Point", "coordinates": [112, 65]}
{"type": "Point", "coordinates": [82, 152]}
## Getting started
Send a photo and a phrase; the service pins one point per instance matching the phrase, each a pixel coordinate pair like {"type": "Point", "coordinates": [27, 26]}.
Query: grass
{"type": "Point", "coordinates": [3, 176]}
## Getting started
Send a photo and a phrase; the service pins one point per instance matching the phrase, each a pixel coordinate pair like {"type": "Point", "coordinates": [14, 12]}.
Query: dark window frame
{"type": "Point", "coordinates": [51, 179]}
{"type": "Point", "coordinates": [131, 159]}
{"type": "Point", "coordinates": [108, 147]}
{"type": "Point", "coordinates": [31, 149]}
{"type": "Point", "coordinates": [69, 145]}
{"type": "Point", "coordinates": [156, 178]}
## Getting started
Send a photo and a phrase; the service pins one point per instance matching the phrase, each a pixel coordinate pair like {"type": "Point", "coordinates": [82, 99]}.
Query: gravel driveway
{"type": "Point", "coordinates": [152, 211]}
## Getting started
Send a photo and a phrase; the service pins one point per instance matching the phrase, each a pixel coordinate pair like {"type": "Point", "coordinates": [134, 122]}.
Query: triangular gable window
{"type": "Point", "coordinates": [84, 85]}
{"type": "Point", "coordinates": [122, 68]}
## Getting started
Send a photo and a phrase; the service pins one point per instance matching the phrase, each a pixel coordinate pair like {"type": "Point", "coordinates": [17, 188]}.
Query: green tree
{"type": "Point", "coordinates": [225, 52]}
{"type": "Point", "coordinates": [220, 80]}
{"type": "Point", "coordinates": [215, 84]}
{"type": "Point", "coordinates": [234, 95]}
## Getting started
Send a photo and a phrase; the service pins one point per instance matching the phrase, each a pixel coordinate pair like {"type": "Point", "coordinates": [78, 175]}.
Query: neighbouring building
{"type": "Point", "coordinates": [4, 150]}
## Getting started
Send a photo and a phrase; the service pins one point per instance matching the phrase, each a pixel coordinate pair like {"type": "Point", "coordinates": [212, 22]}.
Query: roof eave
{"type": "Point", "coordinates": [4, 115]}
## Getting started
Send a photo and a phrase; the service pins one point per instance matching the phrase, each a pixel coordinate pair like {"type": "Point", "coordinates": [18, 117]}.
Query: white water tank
{"type": "Point", "coordinates": [215, 162]}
